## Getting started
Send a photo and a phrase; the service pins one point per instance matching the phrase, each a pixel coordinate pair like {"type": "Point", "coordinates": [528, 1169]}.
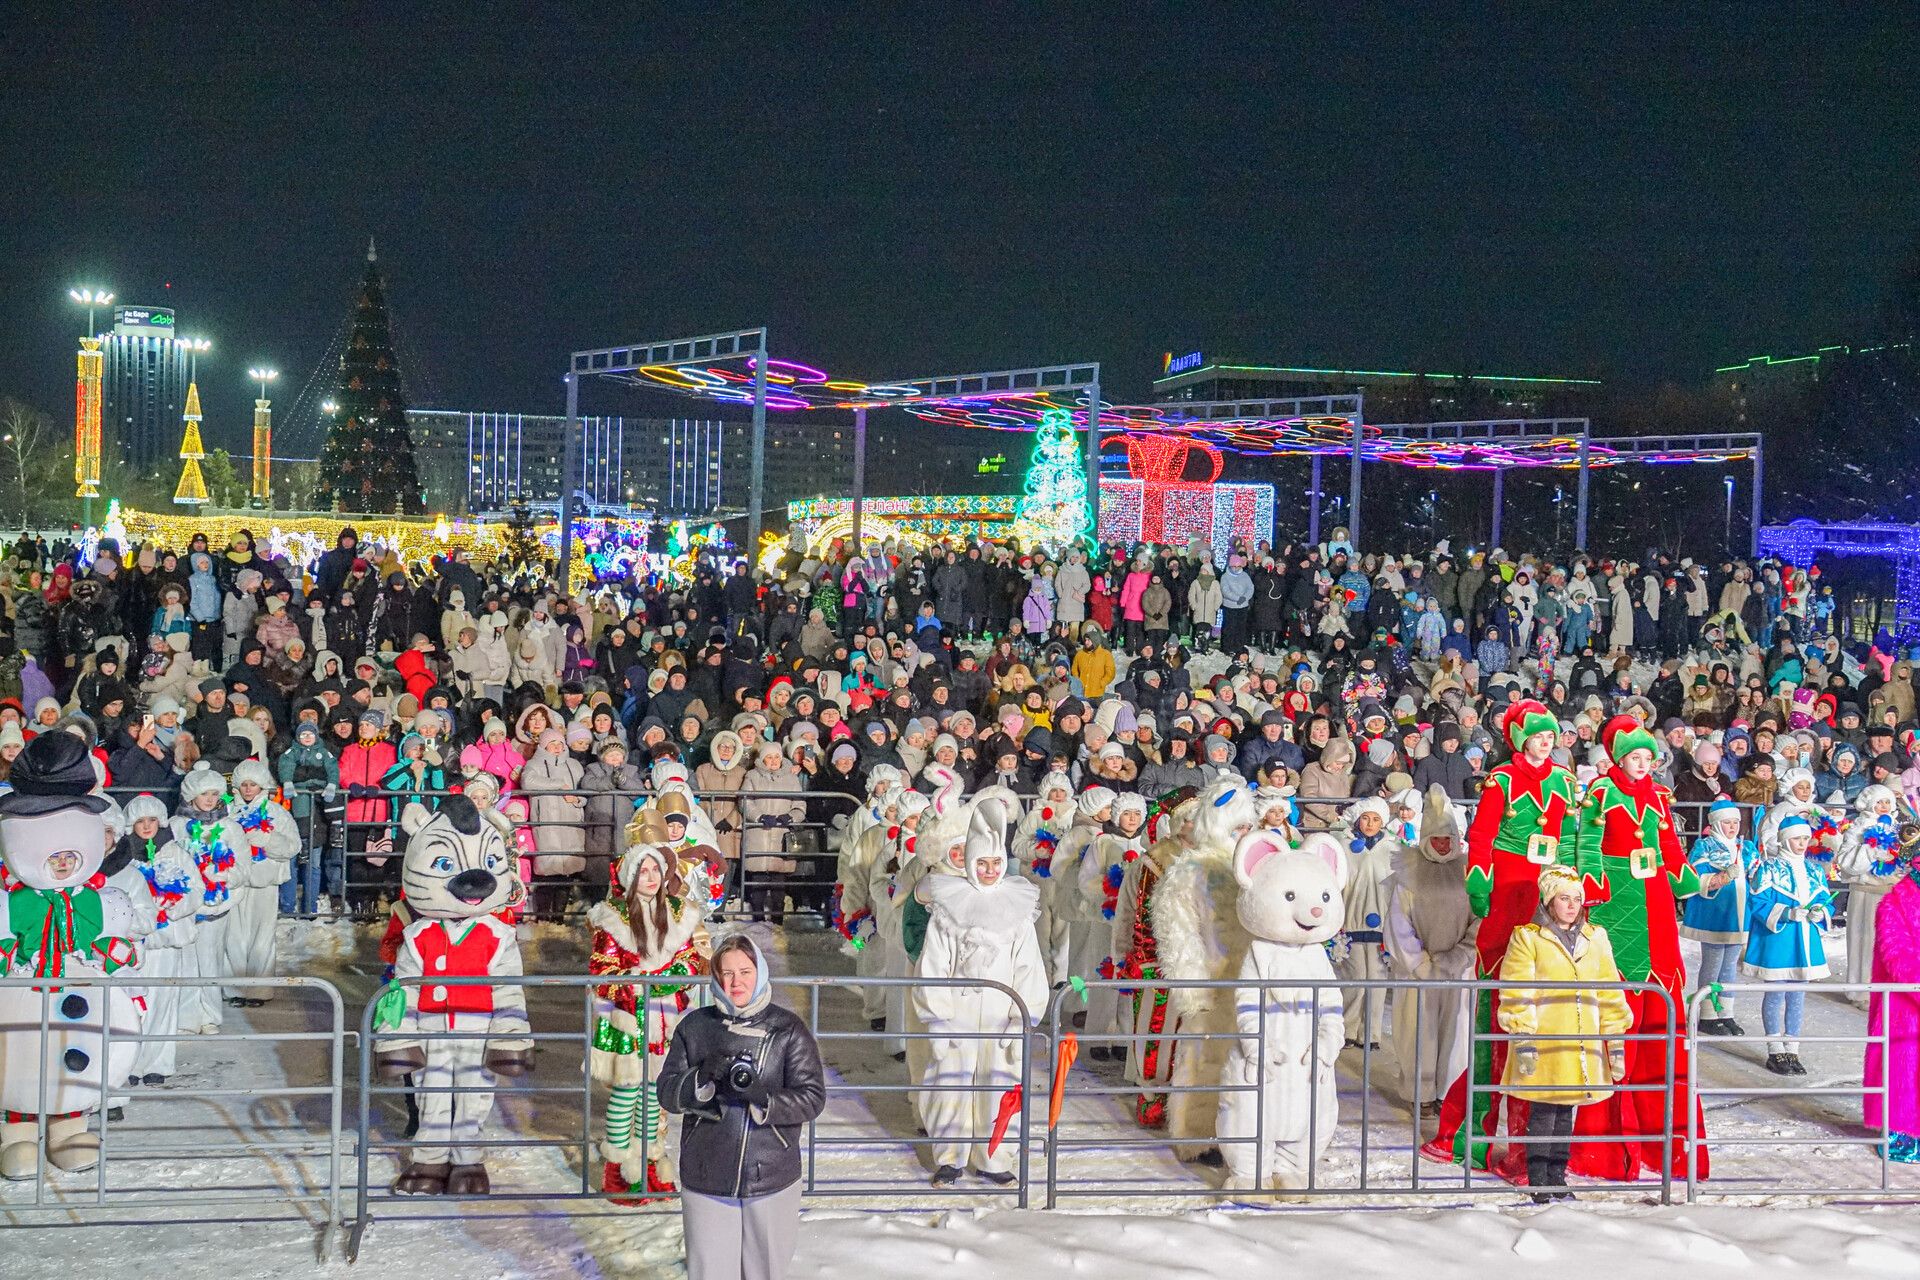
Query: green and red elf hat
{"type": "Point", "coordinates": [1623, 735]}
{"type": "Point", "coordinates": [1524, 719]}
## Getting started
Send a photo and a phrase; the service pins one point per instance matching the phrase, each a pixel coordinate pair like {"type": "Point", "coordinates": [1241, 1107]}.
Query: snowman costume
{"type": "Point", "coordinates": [59, 919]}
{"type": "Point", "coordinates": [268, 839]}
{"type": "Point", "coordinates": [980, 926]}
{"type": "Point", "coordinates": [1277, 1123]}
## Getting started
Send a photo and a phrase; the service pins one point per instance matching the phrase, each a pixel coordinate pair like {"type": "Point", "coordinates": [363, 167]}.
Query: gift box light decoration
{"type": "Point", "coordinates": [1172, 493]}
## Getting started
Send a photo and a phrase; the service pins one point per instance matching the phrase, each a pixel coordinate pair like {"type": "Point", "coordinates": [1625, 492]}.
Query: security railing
{"type": "Point", "coordinates": [1827, 1137]}
{"type": "Point", "coordinates": [568, 1141]}
{"type": "Point", "coordinates": [190, 1163]}
{"type": "Point", "coordinates": [1371, 1125]}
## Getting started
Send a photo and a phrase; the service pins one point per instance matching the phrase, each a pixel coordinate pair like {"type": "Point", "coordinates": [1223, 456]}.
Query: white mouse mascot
{"type": "Point", "coordinates": [61, 922]}
{"type": "Point", "coordinates": [457, 874]}
{"type": "Point", "coordinates": [1198, 936]}
{"type": "Point", "coordinates": [1290, 1036]}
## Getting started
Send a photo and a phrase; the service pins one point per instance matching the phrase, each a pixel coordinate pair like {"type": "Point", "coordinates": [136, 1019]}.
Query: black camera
{"type": "Point", "coordinates": [740, 1073]}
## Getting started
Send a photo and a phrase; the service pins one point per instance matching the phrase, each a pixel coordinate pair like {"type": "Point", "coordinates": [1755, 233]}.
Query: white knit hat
{"type": "Point", "coordinates": [1094, 799]}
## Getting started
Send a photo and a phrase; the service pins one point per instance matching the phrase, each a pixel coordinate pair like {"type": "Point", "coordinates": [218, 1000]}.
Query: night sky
{"type": "Point", "coordinates": [967, 187]}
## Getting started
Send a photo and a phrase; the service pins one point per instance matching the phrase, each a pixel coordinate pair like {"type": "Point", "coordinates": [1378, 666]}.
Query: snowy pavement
{"type": "Point", "coordinates": [164, 1154]}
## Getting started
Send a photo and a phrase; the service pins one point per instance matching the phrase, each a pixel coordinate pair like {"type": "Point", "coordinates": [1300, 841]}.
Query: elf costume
{"type": "Point", "coordinates": [1516, 831]}
{"type": "Point", "coordinates": [1627, 838]}
{"type": "Point", "coordinates": [669, 941]}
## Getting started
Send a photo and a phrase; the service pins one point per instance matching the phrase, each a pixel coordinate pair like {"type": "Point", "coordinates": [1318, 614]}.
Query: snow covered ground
{"type": "Point", "coordinates": [166, 1154]}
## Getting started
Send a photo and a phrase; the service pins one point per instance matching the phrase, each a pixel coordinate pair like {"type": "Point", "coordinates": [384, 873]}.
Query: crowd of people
{"type": "Point", "coordinates": [1091, 737]}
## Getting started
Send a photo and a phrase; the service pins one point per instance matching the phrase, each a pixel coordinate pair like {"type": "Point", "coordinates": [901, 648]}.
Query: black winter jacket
{"type": "Point", "coordinates": [727, 1146]}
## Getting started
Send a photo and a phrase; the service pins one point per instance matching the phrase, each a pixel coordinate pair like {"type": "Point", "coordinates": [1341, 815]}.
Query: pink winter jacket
{"type": "Point", "coordinates": [1130, 592]}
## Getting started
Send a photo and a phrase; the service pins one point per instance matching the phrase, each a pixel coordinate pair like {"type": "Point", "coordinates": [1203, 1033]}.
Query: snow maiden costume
{"type": "Point", "coordinates": [60, 921]}
{"type": "Point", "coordinates": [641, 934]}
{"type": "Point", "coordinates": [1516, 832]}
{"type": "Point", "coordinates": [1896, 958]}
{"type": "Point", "coordinates": [1716, 917]}
{"type": "Point", "coordinates": [1789, 904]}
{"type": "Point", "coordinates": [1627, 836]}
{"type": "Point", "coordinates": [457, 873]}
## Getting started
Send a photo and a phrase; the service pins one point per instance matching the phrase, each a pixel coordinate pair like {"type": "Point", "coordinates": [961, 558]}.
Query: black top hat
{"type": "Point", "coordinates": [52, 774]}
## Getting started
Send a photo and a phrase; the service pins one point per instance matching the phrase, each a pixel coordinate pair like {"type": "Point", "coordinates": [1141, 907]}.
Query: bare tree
{"type": "Point", "coordinates": [35, 464]}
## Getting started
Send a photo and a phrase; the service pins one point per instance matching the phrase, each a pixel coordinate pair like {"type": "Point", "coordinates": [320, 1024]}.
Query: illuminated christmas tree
{"type": "Point", "coordinates": [1054, 512]}
{"type": "Point", "coordinates": [367, 465]}
{"type": "Point", "coordinates": [192, 489]}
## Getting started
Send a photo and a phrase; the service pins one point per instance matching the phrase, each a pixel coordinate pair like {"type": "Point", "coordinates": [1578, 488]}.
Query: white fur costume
{"type": "Point", "coordinates": [1069, 922]}
{"type": "Point", "coordinates": [1289, 1035]}
{"type": "Point", "coordinates": [1869, 862]}
{"type": "Point", "coordinates": [215, 846]}
{"type": "Point", "coordinates": [1364, 934]}
{"type": "Point", "coordinates": [1430, 934]}
{"type": "Point", "coordinates": [166, 894]}
{"type": "Point", "coordinates": [983, 931]}
{"type": "Point", "coordinates": [1198, 935]}
{"type": "Point", "coordinates": [270, 841]}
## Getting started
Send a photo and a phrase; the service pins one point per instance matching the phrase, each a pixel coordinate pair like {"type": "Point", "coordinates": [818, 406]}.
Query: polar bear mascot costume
{"type": "Point", "coordinates": [1198, 936]}
{"type": "Point", "coordinates": [1290, 1036]}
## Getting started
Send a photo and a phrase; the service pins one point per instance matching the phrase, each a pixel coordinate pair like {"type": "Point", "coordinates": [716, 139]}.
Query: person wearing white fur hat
{"type": "Point", "coordinates": [1363, 834]}
{"type": "Point", "coordinates": [164, 886]}
{"type": "Point", "coordinates": [215, 846]}
{"type": "Point", "coordinates": [980, 926]}
{"type": "Point", "coordinates": [1102, 872]}
{"type": "Point", "coordinates": [269, 840]}
{"type": "Point", "coordinates": [1067, 932]}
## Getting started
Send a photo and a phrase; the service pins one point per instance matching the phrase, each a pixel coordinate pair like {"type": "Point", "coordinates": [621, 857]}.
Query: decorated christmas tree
{"type": "Point", "coordinates": [1054, 512]}
{"type": "Point", "coordinates": [367, 465]}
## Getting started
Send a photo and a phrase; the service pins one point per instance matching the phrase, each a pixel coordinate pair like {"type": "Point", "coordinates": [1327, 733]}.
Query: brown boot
{"type": "Point", "coordinates": [468, 1180]}
{"type": "Point", "coordinates": [423, 1180]}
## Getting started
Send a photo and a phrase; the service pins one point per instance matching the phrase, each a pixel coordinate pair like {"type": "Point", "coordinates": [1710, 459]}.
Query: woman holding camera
{"type": "Point", "coordinates": [744, 1075]}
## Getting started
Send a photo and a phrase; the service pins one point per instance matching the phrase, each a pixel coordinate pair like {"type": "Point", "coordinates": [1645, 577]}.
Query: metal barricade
{"type": "Point", "coordinates": [811, 843]}
{"type": "Point", "coordinates": [1834, 1137]}
{"type": "Point", "coordinates": [1356, 1160]}
{"type": "Point", "coordinates": [570, 1138]}
{"type": "Point", "coordinates": [301, 1173]}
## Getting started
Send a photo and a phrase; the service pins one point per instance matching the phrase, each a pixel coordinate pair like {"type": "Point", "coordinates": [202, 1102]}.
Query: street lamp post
{"type": "Point", "coordinates": [193, 347]}
{"type": "Point", "coordinates": [90, 298]}
{"type": "Point", "coordinates": [86, 420]}
{"type": "Point", "coordinates": [263, 437]}
{"type": "Point", "coordinates": [1727, 537]}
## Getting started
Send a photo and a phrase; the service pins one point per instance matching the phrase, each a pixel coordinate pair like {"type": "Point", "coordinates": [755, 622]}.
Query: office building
{"type": "Point", "coordinates": [803, 460]}
{"type": "Point", "coordinates": [143, 388]}
{"type": "Point", "coordinates": [1391, 396]}
{"type": "Point", "coordinates": [472, 461]}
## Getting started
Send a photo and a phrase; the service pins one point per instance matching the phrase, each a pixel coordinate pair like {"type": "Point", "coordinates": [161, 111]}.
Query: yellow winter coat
{"type": "Point", "coordinates": [1569, 1073]}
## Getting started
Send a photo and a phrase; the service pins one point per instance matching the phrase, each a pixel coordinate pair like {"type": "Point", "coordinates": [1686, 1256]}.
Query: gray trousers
{"type": "Point", "coordinates": [740, 1239]}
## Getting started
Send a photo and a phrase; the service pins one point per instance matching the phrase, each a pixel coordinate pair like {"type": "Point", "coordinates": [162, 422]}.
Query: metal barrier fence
{"type": "Point", "coordinates": [581, 1141]}
{"type": "Point", "coordinates": [1877, 1140]}
{"type": "Point", "coordinates": [291, 1178]}
{"type": "Point", "coordinates": [1400, 1137]}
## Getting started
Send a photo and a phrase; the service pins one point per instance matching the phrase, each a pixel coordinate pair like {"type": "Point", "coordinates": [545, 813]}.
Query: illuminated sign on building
{"type": "Point", "coordinates": [1180, 364]}
{"type": "Point", "coordinates": [143, 320]}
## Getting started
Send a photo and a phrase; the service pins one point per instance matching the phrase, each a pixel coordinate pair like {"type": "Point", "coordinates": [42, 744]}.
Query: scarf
{"type": "Point", "coordinates": [50, 924]}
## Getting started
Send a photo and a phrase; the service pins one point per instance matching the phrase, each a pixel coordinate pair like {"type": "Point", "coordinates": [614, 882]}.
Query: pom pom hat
{"type": "Point", "coordinates": [1524, 719]}
{"type": "Point", "coordinates": [1623, 735]}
